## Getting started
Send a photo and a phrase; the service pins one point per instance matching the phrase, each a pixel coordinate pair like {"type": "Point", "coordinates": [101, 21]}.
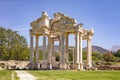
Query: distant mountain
{"type": "Point", "coordinates": [115, 48]}
{"type": "Point", "coordinates": [97, 49]}
{"type": "Point", "coordinates": [94, 49]}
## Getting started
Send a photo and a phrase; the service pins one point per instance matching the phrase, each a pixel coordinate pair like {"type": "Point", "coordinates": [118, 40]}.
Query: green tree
{"type": "Point", "coordinates": [40, 54]}
{"type": "Point", "coordinates": [70, 55]}
{"type": "Point", "coordinates": [117, 54]}
{"type": "Point", "coordinates": [96, 56]}
{"type": "Point", "coordinates": [84, 55]}
{"type": "Point", "coordinates": [108, 57]}
{"type": "Point", "coordinates": [12, 45]}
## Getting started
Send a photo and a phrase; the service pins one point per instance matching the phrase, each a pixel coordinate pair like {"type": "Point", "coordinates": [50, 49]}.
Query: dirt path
{"type": "Point", "coordinates": [23, 75]}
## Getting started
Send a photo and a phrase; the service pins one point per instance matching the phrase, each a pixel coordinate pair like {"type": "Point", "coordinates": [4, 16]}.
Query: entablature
{"type": "Point", "coordinates": [58, 25]}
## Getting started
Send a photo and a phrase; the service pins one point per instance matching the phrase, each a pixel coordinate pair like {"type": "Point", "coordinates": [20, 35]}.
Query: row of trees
{"type": "Point", "coordinates": [107, 57]}
{"type": "Point", "coordinates": [12, 45]}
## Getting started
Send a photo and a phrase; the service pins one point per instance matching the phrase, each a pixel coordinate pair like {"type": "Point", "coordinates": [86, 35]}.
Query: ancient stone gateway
{"type": "Point", "coordinates": [58, 29]}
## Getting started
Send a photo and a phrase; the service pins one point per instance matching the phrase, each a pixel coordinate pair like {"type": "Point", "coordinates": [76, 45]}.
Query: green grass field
{"type": "Point", "coordinates": [76, 75]}
{"type": "Point", "coordinates": [66, 75]}
{"type": "Point", "coordinates": [5, 74]}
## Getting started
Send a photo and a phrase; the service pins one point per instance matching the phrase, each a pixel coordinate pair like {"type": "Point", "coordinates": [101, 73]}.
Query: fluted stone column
{"type": "Point", "coordinates": [66, 51]}
{"type": "Point", "coordinates": [81, 63]}
{"type": "Point", "coordinates": [31, 52]}
{"type": "Point", "coordinates": [44, 64]}
{"type": "Point", "coordinates": [50, 52]}
{"type": "Point", "coordinates": [52, 46]}
{"type": "Point", "coordinates": [59, 45]}
{"type": "Point", "coordinates": [77, 50]}
{"type": "Point", "coordinates": [73, 54]}
{"type": "Point", "coordinates": [36, 51]}
{"type": "Point", "coordinates": [62, 57]}
{"type": "Point", "coordinates": [89, 51]}
{"type": "Point", "coordinates": [44, 48]}
{"type": "Point", "coordinates": [60, 50]}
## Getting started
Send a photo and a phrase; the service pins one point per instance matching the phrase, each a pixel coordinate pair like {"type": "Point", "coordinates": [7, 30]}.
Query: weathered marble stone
{"type": "Point", "coordinates": [58, 29]}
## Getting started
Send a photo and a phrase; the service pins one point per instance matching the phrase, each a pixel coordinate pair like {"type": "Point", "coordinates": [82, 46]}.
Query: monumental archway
{"type": "Point", "coordinates": [58, 29]}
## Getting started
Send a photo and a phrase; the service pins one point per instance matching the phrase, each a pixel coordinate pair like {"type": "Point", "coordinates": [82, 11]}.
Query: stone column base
{"type": "Point", "coordinates": [63, 66]}
{"type": "Point", "coordinates": [67, 66]}
{"type": "Point", "coordinates": [36, 66]}
{"type": "Point", "coordinates": [78, 66]}
{"type": "Point", "coordinates": [81, 66]}
{"type": "Point", "coordinates": [74, 66]}
{"type": "Point", "coordinates": [44, 65]}
{"type": "Point", "coordinates": [31, 66]}
{"type": "Point", "coordinates": [49, 66]}
{"type": "Point", "coordinates": [89, 65]}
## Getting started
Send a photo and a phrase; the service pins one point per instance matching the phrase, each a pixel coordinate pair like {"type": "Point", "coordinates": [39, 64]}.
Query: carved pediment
{"type": "Point", "coordinates": [61, 21]}
{"type": "Point", "coordinates": [43, 21]}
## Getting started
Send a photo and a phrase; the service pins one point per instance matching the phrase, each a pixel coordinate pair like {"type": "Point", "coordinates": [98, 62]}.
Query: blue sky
{"type": "Point", "coordinates": [102, 15]}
